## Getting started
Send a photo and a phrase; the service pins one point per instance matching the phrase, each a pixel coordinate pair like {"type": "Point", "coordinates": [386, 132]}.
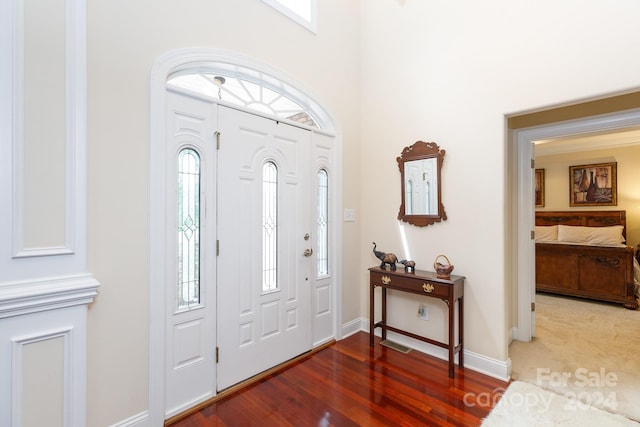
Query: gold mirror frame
{"type": "Point", "coordinates": [420, 151]}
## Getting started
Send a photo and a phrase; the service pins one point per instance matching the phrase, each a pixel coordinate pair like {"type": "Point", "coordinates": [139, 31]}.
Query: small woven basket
{"type": "Point", "coordinates": [443, 271]}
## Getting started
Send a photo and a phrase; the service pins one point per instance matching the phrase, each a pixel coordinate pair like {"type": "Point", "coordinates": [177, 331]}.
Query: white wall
{"type": "Point", "coordinates": [124, 40]}
{"type": "Point", "coordinates": [449, 72]}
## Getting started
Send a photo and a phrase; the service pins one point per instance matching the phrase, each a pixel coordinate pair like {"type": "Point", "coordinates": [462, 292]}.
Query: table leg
{"type": "Point", "coordinates": [384, 313]}
{"type": "Point", "coordinates": [460, 331]}
{"type": "Point", "coordinates": [372, 290]}
{"type": "Point", "coordinates": [451, 343]}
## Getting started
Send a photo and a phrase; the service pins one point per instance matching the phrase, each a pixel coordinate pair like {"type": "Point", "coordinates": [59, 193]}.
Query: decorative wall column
{"type": "Point", "coordinates": [44, 284]}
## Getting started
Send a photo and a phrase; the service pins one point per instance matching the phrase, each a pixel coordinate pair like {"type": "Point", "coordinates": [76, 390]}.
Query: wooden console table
{"type": "Point", "coordinates": [423, 283]}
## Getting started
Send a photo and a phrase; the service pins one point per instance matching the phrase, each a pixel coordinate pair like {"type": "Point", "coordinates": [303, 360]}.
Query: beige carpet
{"type": "Point", "coordinates": [583, 350]}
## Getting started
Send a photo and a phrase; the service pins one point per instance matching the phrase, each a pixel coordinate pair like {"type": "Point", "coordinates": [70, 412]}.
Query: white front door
{"type": "Point", "coordinates": [264, 229]}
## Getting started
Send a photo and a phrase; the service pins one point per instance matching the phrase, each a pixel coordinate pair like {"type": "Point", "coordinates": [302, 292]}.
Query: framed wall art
{"type": "Point", "coordinates": [539, 190]}
{"type": "Point", "coordinates": [593, 185]}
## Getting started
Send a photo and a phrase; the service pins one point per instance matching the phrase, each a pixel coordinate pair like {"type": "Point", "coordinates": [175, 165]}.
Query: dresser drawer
{"type": "Point", "coordinates": [411, 284]}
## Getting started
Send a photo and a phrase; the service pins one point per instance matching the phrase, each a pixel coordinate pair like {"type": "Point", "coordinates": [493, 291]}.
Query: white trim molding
{"type": "Point", "coordinates": [75, 117]}
{"type": "Point", "coordinates": [141, 419]}
{"type": "Point", "coordinates": [18, 371]}
{"type": "Point", "coordinates": [27, 297]}
{"type": "Point", "coordinates": [38, 311]}
{"type": "Point", "coordinates": [18, 262]}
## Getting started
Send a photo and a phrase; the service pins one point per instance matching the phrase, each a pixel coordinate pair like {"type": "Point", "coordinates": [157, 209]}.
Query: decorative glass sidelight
{"type": "Point", "coordinates": [269, 227]}
{"type": "Point", "coordinates": [188, 228]}
{"type": "Point", "coordinates": [323, 223]}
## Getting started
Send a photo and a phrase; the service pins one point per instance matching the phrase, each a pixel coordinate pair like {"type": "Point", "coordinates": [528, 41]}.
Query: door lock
{"type": "Point", "coordinates": [308, 252]}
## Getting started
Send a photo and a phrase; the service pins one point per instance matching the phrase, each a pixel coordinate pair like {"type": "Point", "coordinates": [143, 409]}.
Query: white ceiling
{"type": "Point", "coordinates": [585, 142]}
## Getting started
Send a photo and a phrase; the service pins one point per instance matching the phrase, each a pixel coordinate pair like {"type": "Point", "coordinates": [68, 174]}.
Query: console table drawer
{"type": "Point", "coordinates": [433, 289]}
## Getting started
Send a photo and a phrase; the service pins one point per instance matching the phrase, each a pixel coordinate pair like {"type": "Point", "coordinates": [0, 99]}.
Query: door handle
{"type": "Point", "coordinates": [308, 252]}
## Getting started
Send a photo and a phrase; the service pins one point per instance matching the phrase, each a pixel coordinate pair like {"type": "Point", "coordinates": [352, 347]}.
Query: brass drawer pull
{"type": "Point", "coordinates": [386, 280]}
{"type": "Point", "coordinates": [428, 287]}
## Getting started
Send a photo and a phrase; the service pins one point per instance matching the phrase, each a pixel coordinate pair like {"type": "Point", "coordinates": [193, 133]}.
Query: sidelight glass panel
{"type": "Point", "coordinates": [188, 228]}
{"type": "Point", "coordinates": [269, 227]}
{"type": "Point", "coordinates": [323, 223]}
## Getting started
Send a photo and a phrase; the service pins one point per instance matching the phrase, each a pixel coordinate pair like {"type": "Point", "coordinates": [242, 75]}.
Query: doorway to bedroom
{"type": "Point", "coordinates": [590, 130]}
{"type": "Point", "coordinates": [566, 336]}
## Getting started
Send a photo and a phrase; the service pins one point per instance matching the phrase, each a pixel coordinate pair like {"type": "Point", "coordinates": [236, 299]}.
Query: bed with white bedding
{"type": "Point", "coordinates": [584, 254]}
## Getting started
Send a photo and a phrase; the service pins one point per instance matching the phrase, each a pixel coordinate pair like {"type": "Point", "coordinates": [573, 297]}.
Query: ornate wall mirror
{"type": "Point", "coordinates": [420, 166]}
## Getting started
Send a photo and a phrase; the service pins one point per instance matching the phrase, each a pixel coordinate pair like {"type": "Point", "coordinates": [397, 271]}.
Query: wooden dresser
{"type": "Point", "coordinates": [423, 283]}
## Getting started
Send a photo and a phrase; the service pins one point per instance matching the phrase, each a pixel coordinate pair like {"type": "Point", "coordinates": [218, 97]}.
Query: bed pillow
{"type": "Point", "coordinates": [546, 233]}
{"type": "Point", "coordinates": [573, 234]}
{"type": "Point", "coordinates": [607, 235]}
{"type": "Point", "coordinates": [611, 235]}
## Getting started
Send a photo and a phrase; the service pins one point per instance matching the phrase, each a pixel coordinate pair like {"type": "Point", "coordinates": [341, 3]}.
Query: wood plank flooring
{"type": "Point", "coordinates": [352, 384]}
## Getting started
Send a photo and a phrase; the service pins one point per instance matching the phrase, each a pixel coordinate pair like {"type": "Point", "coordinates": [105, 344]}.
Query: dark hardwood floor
{"type": "Point", "coordinates": [351, 384]}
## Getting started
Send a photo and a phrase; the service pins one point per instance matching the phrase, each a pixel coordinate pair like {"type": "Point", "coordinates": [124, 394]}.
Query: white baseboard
{"type": "Point", "coordinates": [477, 362]}
{"type": "Point", "coordinates": [353, 327]}
{"type": "Point", "coordinates": [141, 419]}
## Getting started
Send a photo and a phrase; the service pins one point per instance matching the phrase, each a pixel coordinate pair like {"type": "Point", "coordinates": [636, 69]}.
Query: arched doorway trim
{"type": "Point", "coordinates": [190, 60]}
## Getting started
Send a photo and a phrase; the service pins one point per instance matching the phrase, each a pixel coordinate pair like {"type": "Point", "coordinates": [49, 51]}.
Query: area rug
{"type": "Point", "coordinates": [525, 404]}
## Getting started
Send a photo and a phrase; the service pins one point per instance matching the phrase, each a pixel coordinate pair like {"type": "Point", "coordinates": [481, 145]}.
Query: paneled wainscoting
{"type": "Point", "coordinates": [351, 384]}
{"type": "Point", "coordinates": [43, 351]}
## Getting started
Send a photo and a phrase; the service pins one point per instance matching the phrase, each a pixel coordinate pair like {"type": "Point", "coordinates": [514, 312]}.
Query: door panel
{"type": "Point", "coordinates": [190, 335]}
{"type": "Point", "coordinates": [323, 289]}
{"type": "Point", "coordinates": [258, 329]}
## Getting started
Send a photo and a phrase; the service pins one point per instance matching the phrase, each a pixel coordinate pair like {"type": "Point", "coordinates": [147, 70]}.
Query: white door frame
{"type": "Point", "coordinates": [199, 59]}
{"type": "Point", "coordinates": [523, 140]}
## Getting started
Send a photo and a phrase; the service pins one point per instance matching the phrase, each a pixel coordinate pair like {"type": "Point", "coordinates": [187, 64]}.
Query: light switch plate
{"type": "Point", "coordinates": [349, 215]}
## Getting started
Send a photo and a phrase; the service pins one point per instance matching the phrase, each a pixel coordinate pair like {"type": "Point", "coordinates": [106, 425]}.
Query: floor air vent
{"type": "Point", "coordinates": [395, 346]}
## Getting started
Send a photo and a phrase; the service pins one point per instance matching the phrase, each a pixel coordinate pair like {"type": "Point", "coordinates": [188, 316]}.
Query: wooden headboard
{"type": "Point", "coordinates": [583, 218]}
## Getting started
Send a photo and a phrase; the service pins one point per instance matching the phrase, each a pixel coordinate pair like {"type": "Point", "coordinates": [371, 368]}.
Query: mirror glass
{"type": "Point", "coordinates": [421, 187]}
{"type": "Point", "coordinates": [420, 166]}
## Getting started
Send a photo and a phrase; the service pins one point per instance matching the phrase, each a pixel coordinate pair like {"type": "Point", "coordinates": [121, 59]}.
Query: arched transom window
{"type": "Point", "coordinates": [242, 91]}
